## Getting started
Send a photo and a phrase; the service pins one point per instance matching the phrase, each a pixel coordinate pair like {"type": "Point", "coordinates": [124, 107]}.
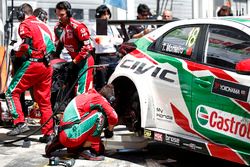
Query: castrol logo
{"type": "Point", "coordinates": [223, 122]}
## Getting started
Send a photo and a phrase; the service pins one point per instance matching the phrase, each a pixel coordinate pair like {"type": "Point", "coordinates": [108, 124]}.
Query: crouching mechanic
{"type": "Point", "coordinates": [82, 124]}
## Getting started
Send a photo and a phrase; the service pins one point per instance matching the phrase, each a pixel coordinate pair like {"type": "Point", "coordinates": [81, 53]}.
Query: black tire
{"type": "Point", "coordinates": [59, 87]}
{"type": "Point", "coordinates": [133, 123]}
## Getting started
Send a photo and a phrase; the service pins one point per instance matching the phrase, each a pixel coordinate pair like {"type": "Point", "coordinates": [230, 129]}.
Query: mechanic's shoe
{"type": "Point", "coordinates": [53, 146]}
{"type": "Point", "coordinates": [18, 129]}
{"type": "Point", "coordinates": [77, 150]}
{"type": "Point", "coordinates": [88, 155]}
{"type": "Point", "coordinates": [45, 138]}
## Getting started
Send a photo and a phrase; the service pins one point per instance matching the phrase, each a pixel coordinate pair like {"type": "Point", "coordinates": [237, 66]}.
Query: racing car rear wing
{"type": "Point", "coordinates": [124, 23]}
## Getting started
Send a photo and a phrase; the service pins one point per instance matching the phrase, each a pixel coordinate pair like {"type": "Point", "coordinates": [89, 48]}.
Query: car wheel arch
{"type": "Point", "coordinates": [128, 105]}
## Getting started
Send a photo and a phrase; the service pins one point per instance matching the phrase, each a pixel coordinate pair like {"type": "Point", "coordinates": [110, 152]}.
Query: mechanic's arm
{"type": "Point", "coordinates": [142, 33]}
{"type": "Point", "coordinates": [58, 44]}
{"type": "Point", "coordinates": [111, 127]}
{"type": "Point", "coordinates": [134, 32]}
{"type": "Point", "coordinates": [59, 48]}
{"type": "Point", "coordinates": [83, 36]}
{"type": "Point", "coordinates": [24, 33]}
{"type": "Point", "coordinates": [112, 119]}
{"type": "Point", "coordinates": [111, 114]}
{"type": "Point", "coordinates": [58, 30]}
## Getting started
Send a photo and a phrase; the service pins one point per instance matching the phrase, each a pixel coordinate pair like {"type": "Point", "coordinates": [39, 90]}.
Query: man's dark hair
{"type": "Point", "coordinates": [22, 10]}
{"type": "Point", "coordinates": [27, 8]}
{"type": "Point", "coordinates": [225, 11]}
{"type": "Point", "coordinates": [142, 8]}
{"type": "Point", "coordinates": [101, 10]}
{"type": "Point", "coordinates": [108, 92]}
{"type": "Point", "coordinates": [65, 5]}
{"type": "Point", "coordinates": [40, 14]}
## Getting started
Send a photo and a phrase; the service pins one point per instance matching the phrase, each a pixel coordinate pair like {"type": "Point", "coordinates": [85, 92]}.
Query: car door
{"type": "Point", "coordinates": [220, 104]}
{"type": "Point", "coordinates": [176, 52]}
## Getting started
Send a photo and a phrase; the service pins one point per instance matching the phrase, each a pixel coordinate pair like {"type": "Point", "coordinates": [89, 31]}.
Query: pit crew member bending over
{"type": "Point", "coordinates": [82, 124]}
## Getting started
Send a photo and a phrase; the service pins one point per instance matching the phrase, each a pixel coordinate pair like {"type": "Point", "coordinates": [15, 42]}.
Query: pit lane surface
{"type": "Point", "coordinates": [154, 155]}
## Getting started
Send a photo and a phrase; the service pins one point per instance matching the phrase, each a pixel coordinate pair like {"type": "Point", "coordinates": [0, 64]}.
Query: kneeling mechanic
{"type": "Point", "coordinates": [82, 123]}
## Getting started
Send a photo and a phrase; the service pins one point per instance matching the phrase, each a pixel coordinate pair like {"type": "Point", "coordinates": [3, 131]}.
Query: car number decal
{"type": "Point", "coordinates": [192, 37]}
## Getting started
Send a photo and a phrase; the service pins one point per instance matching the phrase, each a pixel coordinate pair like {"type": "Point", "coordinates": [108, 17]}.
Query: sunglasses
{"type": "Point", "coordinates": [144, 14]}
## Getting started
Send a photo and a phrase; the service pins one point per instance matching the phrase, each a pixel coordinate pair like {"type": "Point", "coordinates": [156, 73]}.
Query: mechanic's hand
{"type": "Point", "coordinates": [108, 133]}
{"type": "Point", "coordinates": [146, 31]}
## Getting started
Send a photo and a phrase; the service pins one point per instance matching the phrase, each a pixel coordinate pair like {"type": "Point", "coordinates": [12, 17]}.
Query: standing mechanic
{"type": "Point", "coordinates": [82, 123]}
{"type": "Point", "coordinates": [75, 37]}
{"type": "Point", "coordinates": [35, 72]}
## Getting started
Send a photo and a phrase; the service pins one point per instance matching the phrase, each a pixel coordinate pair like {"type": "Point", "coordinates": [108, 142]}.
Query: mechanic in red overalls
{"type": "Point", "coordinates": [83, 121]}
{"type": "Point", "coordinates": [35, 72]}
{"type": "Point", "coordinates": [75, 37]}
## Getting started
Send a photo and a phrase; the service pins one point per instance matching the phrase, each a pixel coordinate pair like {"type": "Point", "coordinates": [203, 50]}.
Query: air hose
{"type": "Point", "coordinates": [25, 138]}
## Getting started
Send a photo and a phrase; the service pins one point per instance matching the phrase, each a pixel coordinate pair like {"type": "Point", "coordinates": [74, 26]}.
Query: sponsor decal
{"type": "Point", "coordinates": [230, 89]}
{"type": "Point", "coordinates": [69, 33]}
{"type": "Point", "coordinates": [142, 68]}
{"type": "Point", "coordinates": [192, 146]}
{"type": "Point", "coordinates": [225, 123]}
{"type": "Point", "coordinates": [147, 133]}
{"type": "Point", "coordinates": [158, 136]}
{"type": "Point", "coordinates": [186, 144]}
{"type": "Point", "coordinates": [161, 115]}
{"type": "Point", "coordinates": [172, 140]}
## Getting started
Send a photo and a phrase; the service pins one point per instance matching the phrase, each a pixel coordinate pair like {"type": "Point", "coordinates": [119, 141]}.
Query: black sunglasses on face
{"type": "Point", "coordinates": [144, 14]}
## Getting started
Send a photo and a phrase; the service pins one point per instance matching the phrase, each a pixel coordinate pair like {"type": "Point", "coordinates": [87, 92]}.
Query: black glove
{"type": "Point", "coordinates": [72, 67]}
{"type": "Point", "coordinates": [72, 71]}
{"type": "Point", "coordinates": [108, 133]}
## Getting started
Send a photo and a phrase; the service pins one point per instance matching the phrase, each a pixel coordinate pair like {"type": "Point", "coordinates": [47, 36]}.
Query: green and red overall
{"type": "Point", "coordinates": [37, 41]}
{"type": "Point", "coordinates": [89, 113]}
{"type": "Point", "coordinates": [75, 38]}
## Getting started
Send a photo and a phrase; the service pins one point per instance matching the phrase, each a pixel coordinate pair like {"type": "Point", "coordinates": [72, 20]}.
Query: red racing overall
{"type": "Point", "coordinates": [75, 38]}
{"type": "Point", "coordinates": [89, 113]}
{"type": "Point", "coordinates": [33, 72]}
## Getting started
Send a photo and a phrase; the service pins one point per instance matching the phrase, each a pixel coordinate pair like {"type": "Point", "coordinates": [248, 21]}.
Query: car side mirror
{"type": "Point", "coordinates": [243, 67]}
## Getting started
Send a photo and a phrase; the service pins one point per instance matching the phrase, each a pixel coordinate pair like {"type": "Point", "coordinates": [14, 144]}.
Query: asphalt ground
{"type": "Point", "coordinates": [144, 153]}
{"type": "Point", "coordinates": [32, 154]}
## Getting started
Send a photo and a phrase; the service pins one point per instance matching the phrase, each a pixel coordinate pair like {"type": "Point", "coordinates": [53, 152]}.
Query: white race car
{"type": "Point", "coordinates": [187, 84]}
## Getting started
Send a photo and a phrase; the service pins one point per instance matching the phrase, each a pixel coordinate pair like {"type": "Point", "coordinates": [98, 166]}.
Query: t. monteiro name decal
{"type": "Point", "coordinates": [230, 89]}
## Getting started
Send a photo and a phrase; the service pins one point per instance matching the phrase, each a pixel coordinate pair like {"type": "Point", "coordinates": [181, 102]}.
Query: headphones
{"type": "Point", "coordinates": [100, 10]}
{"type": "Point", "coordinates": [111, 99]}
{"type": "Point", "coordinates": [20, 13]}
{"type": "Point", "coordinates": [42, 15]}
{"type": "Point", "coordinates": [68, 8]}
{"type": "Point", "coordinates": [65, 5]}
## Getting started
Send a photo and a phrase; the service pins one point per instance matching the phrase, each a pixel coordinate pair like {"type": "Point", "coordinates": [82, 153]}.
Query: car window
{"type": "Point", "coordinates": [226, 46]}
{"type": "Point", "coordinates": [180, 41]}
